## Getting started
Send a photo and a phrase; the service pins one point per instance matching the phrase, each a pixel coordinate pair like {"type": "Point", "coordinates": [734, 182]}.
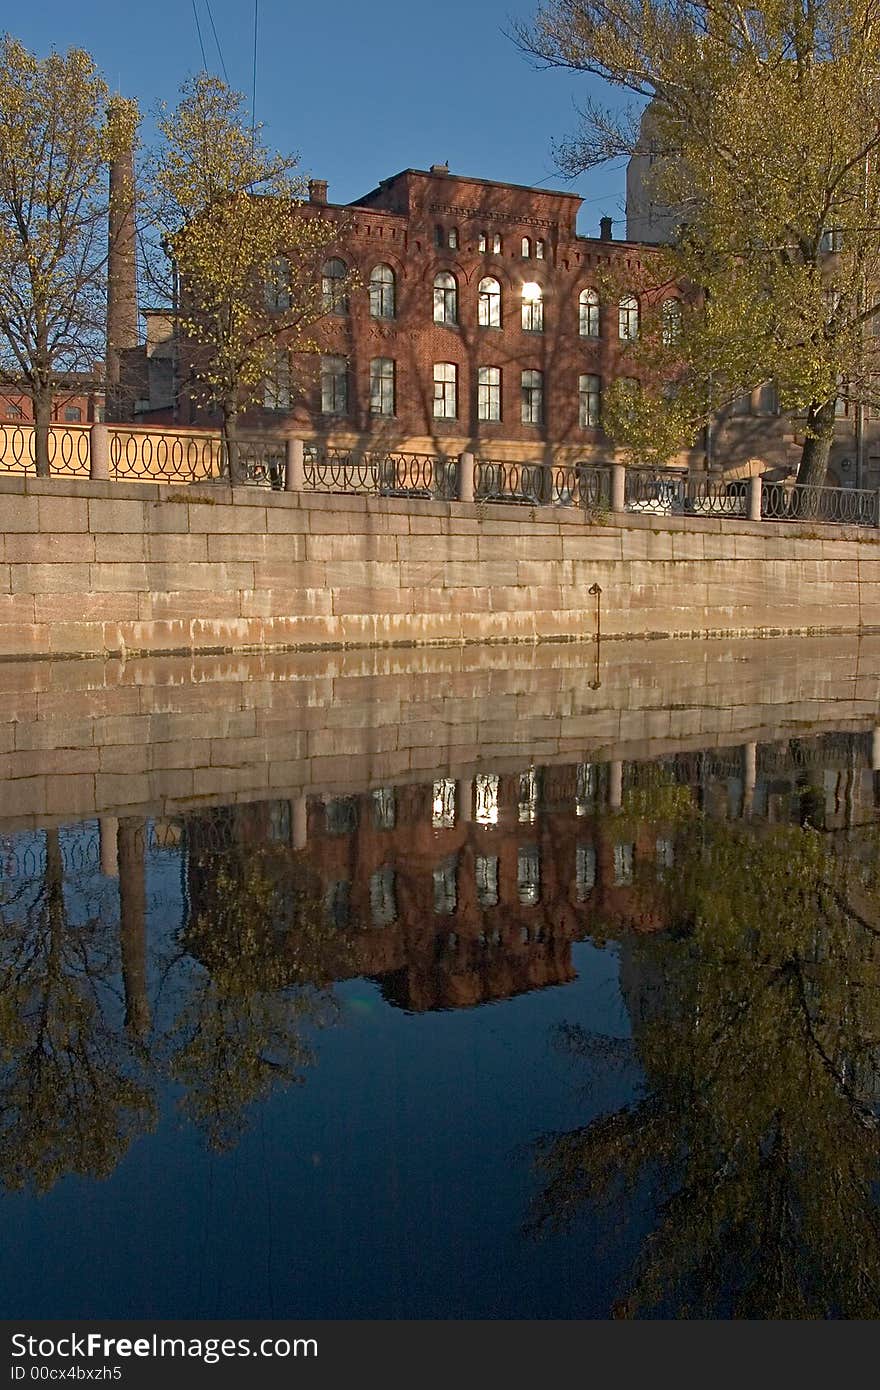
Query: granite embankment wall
{"type": "Point", "coordinates": [162, 735]}
{"type": "Point", "coordinates": [109, 568]}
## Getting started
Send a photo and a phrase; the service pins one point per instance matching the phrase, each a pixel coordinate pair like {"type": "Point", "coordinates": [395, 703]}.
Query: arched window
{"type": "Point", "coordinates": [445, 298]}
{"type": "Point", "coordinates": [525, 248]}
{"type": "Point", "coordinates": [277, 285]}
{"type": "Point", "coordinates": [496, 244]}
{"type": "Point", "coordinates": [588, 313]}
{"type": "Point", "coordinates": [540, 249]}
{"type": "Point", "coordinates": [382, 297]}
{"type": "Point", "coordinates": [628, 317]}
{"type": "Point", "coordinates": [671, 322]}
{"type": "Point", "coordinates": [532, 308]}
{"type": "Point", "coordinates": [333, 292]}
{"type": "Point", "coordinates": [483, 243]}
{"type": "Point", "coordinates": [489, 302]}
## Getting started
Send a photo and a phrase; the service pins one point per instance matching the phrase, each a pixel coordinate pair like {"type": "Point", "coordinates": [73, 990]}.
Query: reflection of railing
{"type": "Point", "coordinates": [837, 505]}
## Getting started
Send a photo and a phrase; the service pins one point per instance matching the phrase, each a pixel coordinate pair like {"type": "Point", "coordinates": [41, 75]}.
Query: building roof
{"type": "Point", "coordinates": [466, 178]}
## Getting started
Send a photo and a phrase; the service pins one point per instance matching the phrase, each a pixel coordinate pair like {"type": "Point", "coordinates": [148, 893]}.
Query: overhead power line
{"type": "Point", "coordinates": [199, 32]}
{"type": "Point", "coordinates": [217, 41]}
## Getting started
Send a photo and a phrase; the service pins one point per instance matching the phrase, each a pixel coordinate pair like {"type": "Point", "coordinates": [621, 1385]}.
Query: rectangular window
{"type": "Point", "coordinates": [445, 391]}
{"type": "Point", "coordinates": [334, 386]}
{"type": "Point", "coordinates": [590, 400]}
{"type": "Point", "coordinates": [276, 391]}
{"type": "Point", "coordinates": [484, 242]}
{"type": "Point", "coordinates": [767, 400]}
{"type": "Point", "coordinates": [532, 398]}
{"type": "Point", "coordinates": [496, 244]}
{"type": "Point", "coordinates": [741, 404]}
{"type": "Point", "coordinates": [528, 874]}
{"type": "Point", "coordinates": [488, 393]}
{"type": "Point", "coordinates": [486, 875]}
{"type": "Point", "coordinates": [382, 386]}
{"type": "Point", "coordinates": [73, 415]}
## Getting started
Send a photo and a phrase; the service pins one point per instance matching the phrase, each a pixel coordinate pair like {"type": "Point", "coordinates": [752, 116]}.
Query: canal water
{"type": "Point", "coordinates": [543, 1033]}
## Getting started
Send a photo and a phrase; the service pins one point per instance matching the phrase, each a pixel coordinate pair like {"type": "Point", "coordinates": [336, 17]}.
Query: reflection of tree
{"type": "Point", "coordinates": [71, 1092]}
{"type": "Point", "coordinates": [757, 1021]}
{"type": "Point", "coordinates": [264, 954]}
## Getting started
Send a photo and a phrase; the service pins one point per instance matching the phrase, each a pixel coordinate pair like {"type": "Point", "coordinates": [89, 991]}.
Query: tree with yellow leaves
{"type": "Point", "coordinates": [56, 138]}
{"type": "Point", "coordinates": [764, 148]}
{"type": "Point", "coordinates": [247, 262]}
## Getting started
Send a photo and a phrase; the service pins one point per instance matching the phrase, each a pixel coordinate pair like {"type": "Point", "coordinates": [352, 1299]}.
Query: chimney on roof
{"type": "Point", "coordinates": [438, 170]}
{"type": "Point", "coordinates": [317, 190]}
{"type": "Point", "coordinates": [605, 233]}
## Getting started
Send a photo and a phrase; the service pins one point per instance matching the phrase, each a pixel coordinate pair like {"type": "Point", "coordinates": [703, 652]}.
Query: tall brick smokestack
{"type": "Point", "coordinates": [122, 310]}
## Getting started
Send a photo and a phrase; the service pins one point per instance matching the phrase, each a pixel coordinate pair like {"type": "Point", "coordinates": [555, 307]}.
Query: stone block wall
{"type": "Point", "coordinates": [91, 568]}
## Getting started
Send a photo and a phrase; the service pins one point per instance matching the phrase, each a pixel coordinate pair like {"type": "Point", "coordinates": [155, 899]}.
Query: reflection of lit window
{"type": "Point", "coordinates": [585, 788]}
{"type": "Point", "coordinates": [527, 807]}
{"type": "Point", "coordinates": [665, 854]}
{"type": "Point", "coordinates": [486, 798]}
{"type": "Point", "coordinates": [341, 815]}
{"type": "Point", "coordinates": [445, 889]}
{"type": "Point", "coordinates": [623, 863]}
{"type": "Point", "coordinates": [585, 871]}
{"type": "Point", "coordinates": [528, 874]}
{"type": "Point", "coordinates": [384, 808]}
{"type": "Point", "coordinates": [383, 901]}
{"type": "Point", "coordinates": [337, 903]}
{"type": "Point", "coordinates": [443, 806]}
{"type": "Point", "coordinates": [486, 874]}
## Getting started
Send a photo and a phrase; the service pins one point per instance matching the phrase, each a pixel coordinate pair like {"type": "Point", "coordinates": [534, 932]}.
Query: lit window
{"type": "Point", "coordinates": [496, 244]}
{"type": "Point", "coordinates": [73, 415]}
{"type": "Point", "coordinates": [486, 875]}
{"type": "Point", "coordinates": [382, 296]}
{"type": "Point", "coordinates": [486, 786]}
{"type": "Point", "coordinates": [628, 317]}
{"type": "Point", "coordinates": [527, 806]}
{"type": "Point", "coordinates": [334, 386]}
{"type": "Point", "coordinates": [528, 874]}
{"type": "Point", "coordinates": [445, 298]}
{"type": "Point", "coordinates": [623, 863]}
{"type": "Point", "coordinates": [445, 391]}
{"type": "Point", "coordinates": [276, 388]}
{"type": "Point", "coordinates": [585, 871]}
{"type": "Point", "coordinates": [382, 386]}
{"type": "Point", "coordinates": [483, 242]}
{"type": "Point", "coordinates": [540, 249]}
{"type": "Point", "coordinates": [671, 322]}
{"type": "Point", "coordinates": [384, 808]}
{"type": "Point", "coordinates": [445, 886]}
{"type": "Point", "coordinates": [383, 899]}
{"type": "Point", "coordinates": [334, 297]}
{"type": "Point", "coordinates": [525, 248]}
{"type": "Point", "coordinates": [588, 314]}
{"type": "Point", "coordinates": [532, 397]}
{"type": "Point", "coordinates": [532, 308]}
{"type": "Point", "coordinates": [585, 788]}
{"type": "Point", "coordinates": [452, 239]}
{"type": "Point", "coordinates": [489, 303]}
{"type": "Point", "coordinates": [443, 806]}
{"type": "Point", "coordinates": [277, 285]}
{"type": "Point", "coordinates": [590, 401]}
{"type": "Point", "coordinates": [488, 393]}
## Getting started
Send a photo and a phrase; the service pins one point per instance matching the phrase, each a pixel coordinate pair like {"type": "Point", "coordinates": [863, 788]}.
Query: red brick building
{"type": "Point", "coordinates": [460, 312]}
{"type": "Point", "coordinates": [79, 400]}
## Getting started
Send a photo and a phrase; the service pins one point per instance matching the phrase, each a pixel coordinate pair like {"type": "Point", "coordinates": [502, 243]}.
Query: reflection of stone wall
{"type": "Point", "coordinates": [84, 738]}
{"type": "Point", "coordinates": [120, 568]}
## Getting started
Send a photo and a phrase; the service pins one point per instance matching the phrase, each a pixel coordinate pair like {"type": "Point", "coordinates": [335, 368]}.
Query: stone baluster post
{"type": "Point", "coordinates": [108, 830]}
{"type": "Point", "coordinates": [618, 487]}
{"type": "Point", "coordinates": [299, 822]}
{"type": "Point", "coordinates": [755, 490]}
{"type": "Point", "coordinates": [294, 473]}
{"type": "Point", "coordinates": [466, 472]}
{"type": "Point", "coordinates": [615, 785]}
{"type": "Point", "coordinates": [99, 453]}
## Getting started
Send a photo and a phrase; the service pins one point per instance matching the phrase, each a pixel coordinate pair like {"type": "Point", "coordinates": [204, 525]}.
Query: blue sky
{"type": "Point", "coordinates": [360, 90]}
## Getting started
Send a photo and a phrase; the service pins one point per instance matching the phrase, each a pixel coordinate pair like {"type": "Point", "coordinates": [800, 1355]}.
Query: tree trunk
{"type": "Point", "coordinates": [133, 924]}
{"type": "Point", "coordinates": [813, 467]}
{"type": "Point", "coordinates": [230, 443]}
{"type": "Point", "coordinates": [42, 421]}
